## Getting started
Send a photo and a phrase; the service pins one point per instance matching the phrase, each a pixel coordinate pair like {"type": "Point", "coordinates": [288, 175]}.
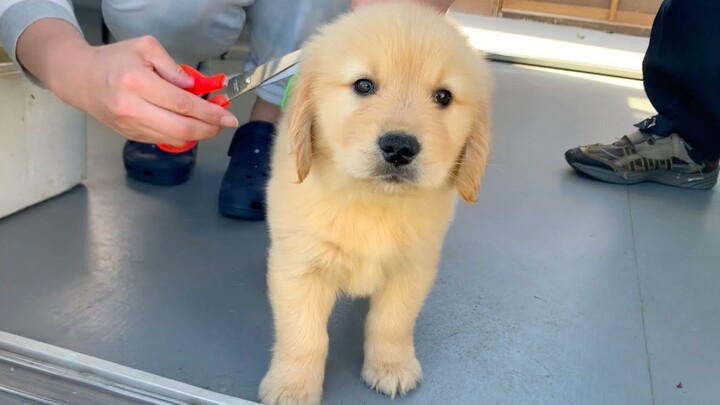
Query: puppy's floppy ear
{"type": "Point", "coordinates": [300, 123]}
{"type": "Point", "coordinates": [475, 154]}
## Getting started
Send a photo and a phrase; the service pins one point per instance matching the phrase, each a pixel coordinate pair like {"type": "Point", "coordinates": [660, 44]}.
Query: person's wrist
{"type": "Point", "coordinates": [53, 50]}
{"type": "Point", "coordinates": [69, 63]}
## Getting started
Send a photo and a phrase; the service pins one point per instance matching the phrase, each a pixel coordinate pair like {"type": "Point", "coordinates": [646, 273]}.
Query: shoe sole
{"type": "Point", "coordinates": [241, 213]}
{"type": "Point", "coordinates": [161, 177]}
{"type": "Point", "coordinates": [250, 210]}
{"type": "Point", "coordinates": [682, 180]}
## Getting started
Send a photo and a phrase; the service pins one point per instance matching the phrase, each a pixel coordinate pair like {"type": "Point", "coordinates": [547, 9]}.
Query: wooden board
{"type": "Point", "coordinates": [633, 17]}
{"type": "Point", "coordinates": [477, 7]}
{"type": "Point", "coordinates": [627, 16]}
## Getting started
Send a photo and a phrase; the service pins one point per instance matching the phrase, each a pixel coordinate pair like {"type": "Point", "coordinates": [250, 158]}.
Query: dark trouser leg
{"type": "Point", "coordinates": [682, 73]}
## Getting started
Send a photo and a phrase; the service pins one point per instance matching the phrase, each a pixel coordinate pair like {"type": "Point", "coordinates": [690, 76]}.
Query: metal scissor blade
{"type": "Point", "coordinates": [263, 74]}
{"type": "Point", "coordinates": [284, 75]}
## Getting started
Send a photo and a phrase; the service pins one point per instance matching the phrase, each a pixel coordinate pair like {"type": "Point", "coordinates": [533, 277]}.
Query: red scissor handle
{"type": "Point", "coordinates": [202, 85]}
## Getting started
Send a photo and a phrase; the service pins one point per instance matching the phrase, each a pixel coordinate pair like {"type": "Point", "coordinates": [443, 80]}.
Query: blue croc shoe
{"type": "Point", "coordinates": [149, 164]}
{"type": "Point", "coordinates": [242, 192]}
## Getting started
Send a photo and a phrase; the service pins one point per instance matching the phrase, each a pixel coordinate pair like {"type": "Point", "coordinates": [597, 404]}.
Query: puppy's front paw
{"type": "Point", "coordinates": [286, 385]}
{"type": "Point", "coordinates": [392, 378]}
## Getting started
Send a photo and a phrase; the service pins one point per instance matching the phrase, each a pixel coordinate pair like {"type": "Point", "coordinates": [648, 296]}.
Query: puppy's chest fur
{"type": "Point", "coordinates": [360, 244]}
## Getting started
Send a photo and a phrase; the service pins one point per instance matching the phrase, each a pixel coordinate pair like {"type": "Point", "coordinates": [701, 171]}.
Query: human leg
{"type": "Point", "coordinates": [277, 27]}
{"type": "Point", "coordinates": [680, 146]}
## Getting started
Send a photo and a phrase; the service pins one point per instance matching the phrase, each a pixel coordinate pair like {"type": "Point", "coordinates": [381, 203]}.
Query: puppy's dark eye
{"type": "Point", "coordinates": [364, 87]}
{"type": "Point", "coordinates": [442, 97]}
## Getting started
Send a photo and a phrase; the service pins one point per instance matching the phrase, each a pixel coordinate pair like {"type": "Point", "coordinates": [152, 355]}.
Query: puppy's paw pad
{"type": "Point", "coordinates": [275, 391]}
{"type": "Point", "coordinates": [393, 378]}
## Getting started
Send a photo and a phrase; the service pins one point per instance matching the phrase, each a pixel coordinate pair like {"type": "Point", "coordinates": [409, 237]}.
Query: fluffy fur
{"type": "Point", "coordinates": [337, 224]}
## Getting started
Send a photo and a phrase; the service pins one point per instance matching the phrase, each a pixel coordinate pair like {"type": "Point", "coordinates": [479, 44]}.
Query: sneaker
{"type": "Point", "coordinates": [242, 192]}
{"type": "Point", "coordinates": [644, 157]}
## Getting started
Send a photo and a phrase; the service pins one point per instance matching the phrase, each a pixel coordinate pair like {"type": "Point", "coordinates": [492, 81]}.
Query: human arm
{"type": "Point", "coordinates": [133, 87]}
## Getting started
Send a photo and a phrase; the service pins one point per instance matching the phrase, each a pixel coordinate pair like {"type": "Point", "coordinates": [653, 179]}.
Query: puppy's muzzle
{"type": "Point", "coordinates": [398, 148]}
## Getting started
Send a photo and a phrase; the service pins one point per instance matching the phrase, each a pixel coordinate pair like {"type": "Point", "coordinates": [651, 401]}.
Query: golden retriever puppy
{"type": "Point", "coordinates": [388, 119]}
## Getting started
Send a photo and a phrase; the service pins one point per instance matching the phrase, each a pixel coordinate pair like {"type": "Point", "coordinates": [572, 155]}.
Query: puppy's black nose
{"type": "Point", "coordinates": [399, 148]}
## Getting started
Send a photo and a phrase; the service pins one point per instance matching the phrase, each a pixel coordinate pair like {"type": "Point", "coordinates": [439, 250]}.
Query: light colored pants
{"type": "Point", "coordinates": [194, 31]}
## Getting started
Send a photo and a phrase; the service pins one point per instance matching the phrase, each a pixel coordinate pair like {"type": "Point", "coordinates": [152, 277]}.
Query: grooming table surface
{"type": "Point", "coordinates": [552, 289]}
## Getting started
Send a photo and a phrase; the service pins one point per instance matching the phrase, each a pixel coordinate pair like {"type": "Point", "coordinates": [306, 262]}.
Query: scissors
{"type": "Point", "coordinates": [235, 85]}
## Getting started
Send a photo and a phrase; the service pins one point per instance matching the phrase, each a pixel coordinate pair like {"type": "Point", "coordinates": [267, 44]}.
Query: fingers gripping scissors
{"type": "Point", "coordinates": [235, 85]}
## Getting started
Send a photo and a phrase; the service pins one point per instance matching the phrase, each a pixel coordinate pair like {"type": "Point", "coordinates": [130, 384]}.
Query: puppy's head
{"type": "Point", "coordinates": [392, 95]}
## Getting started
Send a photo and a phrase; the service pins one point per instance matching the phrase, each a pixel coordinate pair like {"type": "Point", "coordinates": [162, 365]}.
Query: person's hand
{"type": "Point", "coordinates": [441, 5]}
{"type": "Point", "coordinates": [133, 87]}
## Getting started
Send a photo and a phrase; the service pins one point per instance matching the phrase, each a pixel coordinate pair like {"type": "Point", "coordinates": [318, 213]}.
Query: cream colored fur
{"type": "Point", "coordinates": [338, 229]}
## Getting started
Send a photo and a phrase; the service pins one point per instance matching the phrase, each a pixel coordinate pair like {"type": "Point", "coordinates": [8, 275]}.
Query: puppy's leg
{"type": "Point", "coordinates": [390, 363]}
{"type": "Point", "coordinates": [301, 307]}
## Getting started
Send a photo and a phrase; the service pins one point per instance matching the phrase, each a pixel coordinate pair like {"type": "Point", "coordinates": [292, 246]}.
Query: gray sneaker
{"type": "Point", "coordinates": [642, 157]}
